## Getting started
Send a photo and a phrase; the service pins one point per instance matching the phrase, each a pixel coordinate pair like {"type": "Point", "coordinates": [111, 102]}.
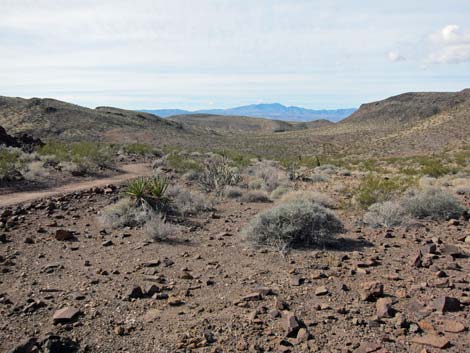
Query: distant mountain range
{"type": "Point", "coordinates": [274, 111]}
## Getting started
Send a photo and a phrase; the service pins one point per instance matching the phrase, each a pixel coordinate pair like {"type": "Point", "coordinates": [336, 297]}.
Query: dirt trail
{"type": "Point", "coordinates": [129, 171]}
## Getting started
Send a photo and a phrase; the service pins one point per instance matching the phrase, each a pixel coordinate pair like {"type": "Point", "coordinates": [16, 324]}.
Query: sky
{"type": "Point", "coordinates": [196, 54]}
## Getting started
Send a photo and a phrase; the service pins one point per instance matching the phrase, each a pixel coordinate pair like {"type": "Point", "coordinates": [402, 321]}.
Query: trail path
{"type": "Point", "coordinates": [129, 171]}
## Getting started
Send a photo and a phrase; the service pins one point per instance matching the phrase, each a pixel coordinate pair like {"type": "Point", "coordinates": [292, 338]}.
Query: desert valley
{"type": "Point", "coordinates": [121, 231]}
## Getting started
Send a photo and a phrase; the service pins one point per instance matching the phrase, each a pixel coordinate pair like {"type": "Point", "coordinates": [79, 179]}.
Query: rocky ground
{"type": "Point", "coordinates": [69, 285]}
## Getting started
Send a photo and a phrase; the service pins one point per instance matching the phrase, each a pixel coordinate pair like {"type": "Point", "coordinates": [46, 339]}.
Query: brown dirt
{"type": "Point", "coordinates": [41, 274]}
{"type": "Point", "coordinates": [128, 171]}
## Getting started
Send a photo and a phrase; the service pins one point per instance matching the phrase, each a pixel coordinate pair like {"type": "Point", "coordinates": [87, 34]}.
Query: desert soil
{"type": "Point", "coordinates": [207, 290]}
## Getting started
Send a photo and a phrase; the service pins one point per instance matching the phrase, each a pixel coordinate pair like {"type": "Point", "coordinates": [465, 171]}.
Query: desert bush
{"type": "Point", "coordinates": [35, 170]}
{"type": "Point", "coordinates": [157, 228]}
{"type": "Point", "coordinates": [255, 196]}
{"type": "Point", "coordinates": [385, 214]}
{"type": "Point", "coordinates": [217, 174]}
{"type": "Point", "coordinates": [344, 172]}
{"type": "Point", "coordinates": [142, 149]}
{"type": "Point", "coordinates": [434, 168]}
{"type": "Point", "coordinates": [326, 169]}
{"type": "Point", "coordinates": [310, 196]}
{"type": "Point", "coordinates": [233, 192]}
{"type": "Point", "coordinates": [256, 184]}
{"type": "Point", "coordinates": [269, 173]}
{"type": "Point", "coordinates": [11, 163]}
{"type": "Point", "coordinates": [187, 202]}
{"type": "Point", "coordinates": [88, 157]}
{"type": "Point", "coordinates": [191, 175]}
{"type": "Point", "coordinates": [433, 203]}
{"type": "Point", "coordinates": [181, 162]}
{"type": "Point", "coordinates": [374, 189]}
{"type": "Point", "coordinates": [297, 223]}
{"type": "Point", "coordinates": [318, 178]}
{"type": "Point", "coordinates": [462, 190]}
{"type": "Point", "coordinates": [148, 192]}
{"type": "Point", "coordinates": [280, 191]}
{"type": "Point", "coordinates": [125, 213]}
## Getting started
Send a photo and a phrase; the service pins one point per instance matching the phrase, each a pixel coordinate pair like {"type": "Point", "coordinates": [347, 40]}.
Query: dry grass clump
{"type": "Point", "coordinates": [310, 196]}
{"type": "Point", "coordinates": [35, 170]}
{"type": "Point", "coordinates": [266, 175]}
{"type": "Point", "coordinates": [188, 202]}
{"type": "Point", "coordinates": [318, 178]}
{"type": "Point", "coordinates": [255, 196]}
{"type": "Point", "coordinates": [385, 214]}
{"type": "Point", "coordinates": [462, 190]}
{"type": "Point", "coordinates": [233, 192]}
{"type": "Point", "coordinates": [124, 213]}
{"type": "Point", "coordinates": [326, 169]}
{"type": "Point", "coordinates": [158, 229]}
{"type": "Point", "coordinates": [293, 224]}
{"type": "Point", "coordinates": [280, 191]}
{"type": "Point", "coordinates": [433, 203]}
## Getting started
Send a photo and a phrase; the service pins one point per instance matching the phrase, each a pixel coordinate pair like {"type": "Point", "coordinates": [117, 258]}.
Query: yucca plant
{"type": "Point", "coordinates": [148, 192]}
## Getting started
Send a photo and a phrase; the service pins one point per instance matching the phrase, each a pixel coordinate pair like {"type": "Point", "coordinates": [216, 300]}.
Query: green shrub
{"type": "Point", "coordinates": [433, 203]}
{"type": "Point", "coordinates": [149, 192]}
{"type": "Point", "coordinates": [434, 168]}
{"type": "Point", "coordinates": [11, 163]}
{"type": "Point", "coordinates": [88, 157]}
{"type": "Point", "coordinates": [142, 149]}
{"type": "Point", "coordinates": [181, 163]}
{"type": "Point", "coordinates": [374, 189]}
{"type": "Point", "coordinates": [297, 223]}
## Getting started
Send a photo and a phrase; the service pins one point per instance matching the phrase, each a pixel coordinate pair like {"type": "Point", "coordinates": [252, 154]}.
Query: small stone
{"type": "Point", "coordinates": [453, 326]}
{"type": "Point", "coordinates": [446, 304]}
{"type": "Point", "coordinates": [107, 243]}
{"type": "Point", "coordinates": [432, 340]}
{"type": "Point", "coordinates": [371, 291]}
{"type": "Point", "coordinates": [291, 324]}
{"type": "Point", "coordinates": [384, 308]}
{"type": "Point", "coordinates": [62, 234]}
{"type": "Point", "coordinates": [66, 314]}
{"type": "Point", "coordinates": [321, 291]}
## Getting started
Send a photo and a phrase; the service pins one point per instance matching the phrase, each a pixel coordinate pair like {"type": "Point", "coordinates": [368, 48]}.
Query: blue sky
{"type": "Point", "coordinates": [196, 54]}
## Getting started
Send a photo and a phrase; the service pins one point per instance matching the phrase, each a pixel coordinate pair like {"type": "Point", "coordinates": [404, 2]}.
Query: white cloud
{"type": "Point", "coordinates": [394, 56]}
{"type": "Point", "coordinates": [450, 45]}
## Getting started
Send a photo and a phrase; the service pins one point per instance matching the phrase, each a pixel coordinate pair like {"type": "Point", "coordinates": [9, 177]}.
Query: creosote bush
{"type": "Point", "coordinates": [294, 224]}
{"type": "Point", "coordinates": [433, 203]}
{"type": "Point", "coordinates": [11, 163]}
{"type": "Point", "coordinates": [374, 188]}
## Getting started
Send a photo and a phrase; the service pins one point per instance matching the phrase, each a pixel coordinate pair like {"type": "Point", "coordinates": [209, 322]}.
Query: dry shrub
{"type": "Point", "coordinates": [279, 192]}
{"type": "Point", "coordinates": [188, 202]}
{"type": "Point", "coordinates": [297, 223]}
{"type": "Point", "coordinates": [255, 196]}
{"type": "Point", "coordinates": [433, 203]}
{"type": "Point", "coordinates": [385, 214]}
{"type": "Point", "coordinates": [233, 192]}
{"type": "Point", "coordinates": [310, 196]}
{"type": "Point", "coordinates": [125, 213]}
{"type": "Point", "coordinates": [157, 228]}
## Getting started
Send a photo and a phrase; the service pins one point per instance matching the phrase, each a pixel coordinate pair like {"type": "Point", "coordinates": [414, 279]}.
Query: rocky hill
{"type": "Point", "coordinates": [241, 124]}
{"type": "Point", "coordinates": [50, 118]}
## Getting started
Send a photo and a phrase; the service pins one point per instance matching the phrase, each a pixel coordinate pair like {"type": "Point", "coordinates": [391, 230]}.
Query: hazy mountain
{"type": "Point", "coordinates": [270, 111]}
